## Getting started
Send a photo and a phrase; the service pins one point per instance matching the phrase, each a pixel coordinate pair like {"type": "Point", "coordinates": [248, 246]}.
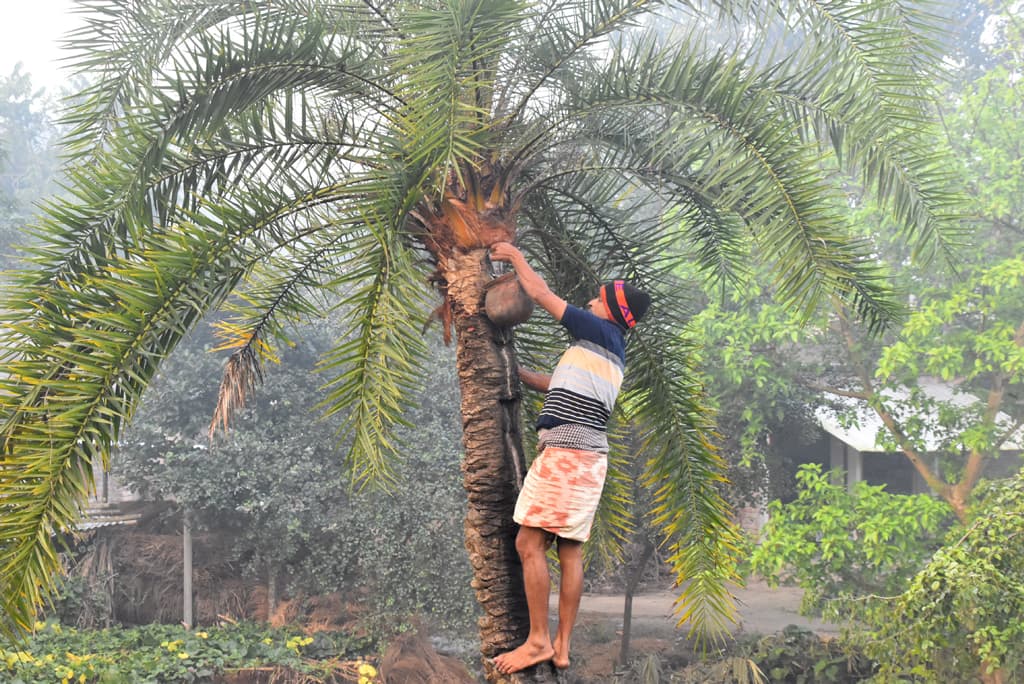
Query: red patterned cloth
{"type": "Point", "coordinates": [561, 492]}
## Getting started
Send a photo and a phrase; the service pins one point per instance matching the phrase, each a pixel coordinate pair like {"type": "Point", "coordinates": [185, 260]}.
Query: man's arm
{"type": "Point", "coordinates": [534, 380]}
{"type": "Point", "coordinates": [532, 283]}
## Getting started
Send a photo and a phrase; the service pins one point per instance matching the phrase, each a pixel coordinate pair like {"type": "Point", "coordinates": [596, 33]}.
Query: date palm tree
{"type": "Point", "coordinates": [241, 159]}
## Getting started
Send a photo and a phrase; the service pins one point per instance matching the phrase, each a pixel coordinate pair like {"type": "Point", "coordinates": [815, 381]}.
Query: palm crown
{"type": "Point", "coordinates": [253, 156]}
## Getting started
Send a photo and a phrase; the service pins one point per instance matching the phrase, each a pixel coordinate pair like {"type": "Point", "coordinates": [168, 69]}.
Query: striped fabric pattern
{"type": "Point", "coordinates": [586, 381]}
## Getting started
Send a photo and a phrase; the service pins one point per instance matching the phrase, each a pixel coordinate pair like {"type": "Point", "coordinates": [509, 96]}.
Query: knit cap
{"type": "Point", "coordinates": [626, 304]}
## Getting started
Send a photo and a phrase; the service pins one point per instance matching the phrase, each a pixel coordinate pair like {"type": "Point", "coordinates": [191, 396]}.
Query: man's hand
{"type": "Point", "coordinates": [532, 283]}
{"type": "Point", "coordinates": [505, 251]}
{"type": "Point", "coordinates": [534, 380]}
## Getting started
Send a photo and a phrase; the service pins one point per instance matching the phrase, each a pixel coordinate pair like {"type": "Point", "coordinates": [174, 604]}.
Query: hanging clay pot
{"type": "Point", "coordinates": [505, 301]}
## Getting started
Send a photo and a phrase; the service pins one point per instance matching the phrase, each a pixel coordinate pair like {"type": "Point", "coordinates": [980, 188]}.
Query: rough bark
{"type": "Point", "coordinates": [494, 464]}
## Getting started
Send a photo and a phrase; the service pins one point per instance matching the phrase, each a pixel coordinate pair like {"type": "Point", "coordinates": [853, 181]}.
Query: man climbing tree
{"type": "Point", "coordinates": [563, 488]}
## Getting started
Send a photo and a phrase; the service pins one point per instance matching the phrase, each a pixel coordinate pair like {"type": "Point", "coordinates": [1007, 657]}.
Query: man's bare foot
{"type": "Point", "coordinates": [561, 657]}
{"type": "Point", "coordinates": [527, 655]}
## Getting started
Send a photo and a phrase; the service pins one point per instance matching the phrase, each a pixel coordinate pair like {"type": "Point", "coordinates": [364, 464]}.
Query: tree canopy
{"type": "Point", "coordinates": [248, 156]}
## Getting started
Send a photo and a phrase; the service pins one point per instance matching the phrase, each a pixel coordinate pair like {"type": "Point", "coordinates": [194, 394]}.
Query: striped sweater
{"type": "Point", "coordinates": [587, 379]}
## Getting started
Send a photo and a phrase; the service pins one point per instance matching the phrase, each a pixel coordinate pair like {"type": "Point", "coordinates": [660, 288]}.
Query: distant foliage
{"type": "Point", "coordinates": [840, 544]}
{"type": "Point", "coordinates": [274, 484]}
{"type": "Point", "coordinates": [28, 157]}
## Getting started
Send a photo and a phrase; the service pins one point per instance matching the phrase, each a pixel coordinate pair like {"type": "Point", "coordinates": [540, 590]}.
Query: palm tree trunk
{"type": "Point", "coordinates": [494, 464]}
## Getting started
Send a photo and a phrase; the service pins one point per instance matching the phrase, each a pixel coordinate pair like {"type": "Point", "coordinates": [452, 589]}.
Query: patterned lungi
{"type": "Point", "coordinates": [561, 492]}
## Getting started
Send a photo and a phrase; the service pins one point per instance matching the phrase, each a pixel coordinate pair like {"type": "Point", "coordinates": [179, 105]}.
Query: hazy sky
{"type": "Point", "coordinates": [30, 32]}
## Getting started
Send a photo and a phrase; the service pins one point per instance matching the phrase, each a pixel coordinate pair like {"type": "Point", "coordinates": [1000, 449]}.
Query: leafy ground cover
{"type": "Point", "coordinates": [168, 654]}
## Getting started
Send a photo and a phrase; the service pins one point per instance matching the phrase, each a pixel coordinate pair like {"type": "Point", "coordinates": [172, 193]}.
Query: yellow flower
{"type": "Point", "coordinates": [296, 642]}
{"type": "Point", "coordinates": [39, 625]}
{"type": "Point", "coordinates": [367, 673]}
{"type": "Point", "coordinates": [183, 655]}
{"type": "Point", "coordinates": [268, 641]}
{"type": "Point", "coordinates": [81, 679]}
{"type": "Point", "coordinates": [202, 635]}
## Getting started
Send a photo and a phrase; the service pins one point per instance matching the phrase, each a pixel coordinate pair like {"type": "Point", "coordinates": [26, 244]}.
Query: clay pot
{"type": "Point", "coordinates": [505, 301]}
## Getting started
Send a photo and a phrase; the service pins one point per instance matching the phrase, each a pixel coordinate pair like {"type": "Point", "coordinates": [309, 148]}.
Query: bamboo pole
{"type": "Point", "coordinates": [187, 573]}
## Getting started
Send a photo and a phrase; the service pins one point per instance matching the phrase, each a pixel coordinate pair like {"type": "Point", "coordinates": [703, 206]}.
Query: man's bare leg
{"type": "Point", "coordinates": [570, 557]}
{"type": "Point", "coordinates": [532, 544]}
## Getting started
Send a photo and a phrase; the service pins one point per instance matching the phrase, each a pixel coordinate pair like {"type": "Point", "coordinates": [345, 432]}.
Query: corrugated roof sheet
{"type": "Point", "coordinates": [86, 525]}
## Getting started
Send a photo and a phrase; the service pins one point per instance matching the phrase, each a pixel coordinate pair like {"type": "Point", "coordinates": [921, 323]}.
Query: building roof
{"type": "Point", "coordinates": [863, 435]}
{"type": "Point", "coordinates": [86, 525]}
{"type": "Point", "coordinates": [99, 515]}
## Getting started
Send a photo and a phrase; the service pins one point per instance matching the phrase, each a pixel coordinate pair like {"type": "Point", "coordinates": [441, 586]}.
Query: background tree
{"type": "Point", "coordinates": [249, 155]}
{"type": "Point", "coordinates": [757, 357]}
{"type": "Point", "coordinates": [839, 544]}
{"type": "Point", "coordinates": [967, 336]}
{"type": "Point", "coordinates": [29, 162]}
{"type": "Point", "coordinates": [272, 490]}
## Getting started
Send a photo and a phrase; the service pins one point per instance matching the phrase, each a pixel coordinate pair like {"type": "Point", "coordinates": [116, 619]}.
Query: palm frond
{"type": "Point", "coordinates": [614, 521]}
{"type": "Point", "coordinates": [561, 37]}
{"type": "Point", "coordinates": [683, 124]}
{"type": "Point", "coordinates": [68, 395]}
{"type": "Point", "coordinates": [376, 368]}
{"type": "Point", "coordinates": [864, 80]}
{"type": "Point", "coordinates": [683, 472]}
{"type": "Point", "coordinates": [899, 161]}
{"type": "Point", "coordinates": [134, 47]}
{"type": "Point", "coordinates": [281, 289]}
{"type": "Point", "coordinates": [899, 55]}
{"type": "Point", "coordinates": [241, 117]}
{"type": "Point", "coordinates": [78, 365]}
{"type": "Point", "coordinates": [450, 58]}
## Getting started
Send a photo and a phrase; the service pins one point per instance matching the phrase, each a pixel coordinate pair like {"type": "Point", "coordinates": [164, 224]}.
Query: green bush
{"type": "Point", "coordinates": [799, 656]}
{"type": "Point", "coordinates": [835, 543]}
{"type": "Point", "coordinates": [165, 654]}
{"type": "Point", "coordinates": [961, 617]}
{"type": "Point", "coordinates": [791, 656]}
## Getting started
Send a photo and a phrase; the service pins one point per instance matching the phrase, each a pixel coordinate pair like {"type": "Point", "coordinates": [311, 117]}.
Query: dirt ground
{"type": "Point", "coordinates": [597, 638]}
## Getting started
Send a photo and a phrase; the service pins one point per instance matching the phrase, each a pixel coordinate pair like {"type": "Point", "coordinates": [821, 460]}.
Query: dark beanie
{"type": "Point", "coordinates": [625, 303]}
